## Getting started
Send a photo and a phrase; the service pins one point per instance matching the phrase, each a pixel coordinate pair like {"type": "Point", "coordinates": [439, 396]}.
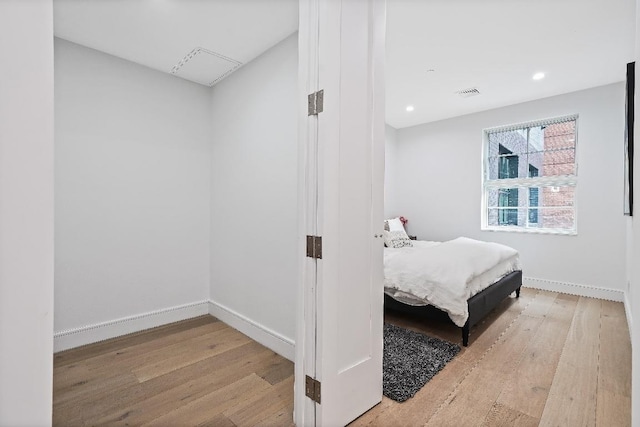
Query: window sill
{"type": "Point", "coordinates": [531, 230]}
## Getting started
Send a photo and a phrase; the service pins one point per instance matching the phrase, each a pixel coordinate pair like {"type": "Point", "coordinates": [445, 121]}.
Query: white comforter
{"type": "Point", "coordinates": [442, 274]}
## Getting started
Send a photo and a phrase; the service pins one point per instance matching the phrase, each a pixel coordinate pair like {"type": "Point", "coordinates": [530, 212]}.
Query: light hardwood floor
{"type": "Point", "coordinates": [199, 372]}
{"type": "Point", "coordinates": [542, 359]}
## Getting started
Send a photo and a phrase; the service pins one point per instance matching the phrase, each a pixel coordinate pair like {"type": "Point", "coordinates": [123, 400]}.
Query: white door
{"type": "Point", "coordinates": [342, 53]}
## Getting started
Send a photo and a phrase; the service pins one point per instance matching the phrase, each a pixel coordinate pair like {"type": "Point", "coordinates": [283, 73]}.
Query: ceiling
{"type": "Point", "coordinates": [434, 48]}
{"type": "Point", "coordinates": [200, 40]}
{"type": "Point", "coordinates": [496, 46]}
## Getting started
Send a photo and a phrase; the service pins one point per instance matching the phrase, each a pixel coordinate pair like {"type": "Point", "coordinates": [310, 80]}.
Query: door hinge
{"type": "Point", "coordinates": [312, 389]}
{"type": "Point", "coordinates": [314, 247]}
{"type": "Point", "coordinates": [315, 102]}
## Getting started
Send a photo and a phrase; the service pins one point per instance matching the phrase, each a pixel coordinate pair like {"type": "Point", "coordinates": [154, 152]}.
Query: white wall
{"type": "Point", "coordinates": [438, 188]}
{"type": "Point", "coordinates": [633, 297]}
{"type": "Point", "coordinates": [132, 189]}
{"type": "Point", "coordinates": [26, 212]}
{"type": "Point", "coordinates": [254, 193]}
{"type": "Point", "coordinates": [390, 166]}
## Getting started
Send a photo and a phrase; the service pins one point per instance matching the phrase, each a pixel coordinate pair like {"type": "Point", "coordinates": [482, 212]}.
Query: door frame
{"type": "Point", "coordinates": [304, 408]}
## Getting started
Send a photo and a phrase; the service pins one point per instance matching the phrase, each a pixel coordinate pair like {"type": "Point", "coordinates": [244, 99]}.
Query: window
{"type": "Point", "coordinates": [508, 168]}
{"type": "Point", "coordinates": [533, 197]}
{"type": "Point", "coordinates": [530, 177]}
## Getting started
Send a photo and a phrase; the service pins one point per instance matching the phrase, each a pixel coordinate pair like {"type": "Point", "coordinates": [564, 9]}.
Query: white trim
{"type": "Point", "coordinates": [282, 345]}
{"type": "Point", "coordinates": [627, 310]}
{"type": "Point", "coordinates": [89, 334]}
{"type": "Point", "coordinates": [574, 289]}
{"type": "Point", "coordinates": [308, 68]}
{"type": "Point", "coordinates": [532, 230]}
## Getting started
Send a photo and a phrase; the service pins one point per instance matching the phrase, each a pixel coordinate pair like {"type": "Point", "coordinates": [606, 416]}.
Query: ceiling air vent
{"type": "Point", "coordinates": [205, 67]}
{"type": "Point", "coordinates": [466, 93]}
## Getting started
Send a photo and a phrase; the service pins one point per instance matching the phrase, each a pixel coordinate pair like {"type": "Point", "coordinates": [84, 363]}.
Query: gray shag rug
{"type": "Point", "coordinates": [410, 360]}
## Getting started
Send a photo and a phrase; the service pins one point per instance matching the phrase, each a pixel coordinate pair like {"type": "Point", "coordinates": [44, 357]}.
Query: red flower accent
{"type": "Point", "coordinates": [403, 220]}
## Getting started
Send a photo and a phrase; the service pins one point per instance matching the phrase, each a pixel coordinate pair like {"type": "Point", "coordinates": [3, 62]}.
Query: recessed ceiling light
{"type": "Point", "coordinates": [410, 108]}
{"type": "Point", "coordinates": [538, 76]}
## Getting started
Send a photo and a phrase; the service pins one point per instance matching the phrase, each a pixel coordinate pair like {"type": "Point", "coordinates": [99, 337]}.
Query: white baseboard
{"type": "Point", "coordinates": [574, 289]}
{"type": "Point", "coordinates": [71, 338]}
{"type": "Point", "coordinates": [284, 346]}
{"type": "Point", "coordinates": [627, 310]}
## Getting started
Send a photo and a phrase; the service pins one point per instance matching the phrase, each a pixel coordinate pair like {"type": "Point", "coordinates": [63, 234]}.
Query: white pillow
{"type": "Point", "coordinates": [395, 224]}
{"type": "Point", "coordinates": [397, 239]}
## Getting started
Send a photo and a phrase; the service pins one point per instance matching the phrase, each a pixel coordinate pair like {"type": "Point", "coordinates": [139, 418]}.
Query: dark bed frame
{"type": "Point", "coordinates": [479, 305]}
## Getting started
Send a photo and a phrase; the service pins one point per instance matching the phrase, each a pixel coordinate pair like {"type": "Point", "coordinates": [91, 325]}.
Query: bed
{"type": "Point", "coordinates": [462, 279]}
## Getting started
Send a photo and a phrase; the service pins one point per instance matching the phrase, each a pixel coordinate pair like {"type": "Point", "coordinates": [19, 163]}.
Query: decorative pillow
{"type": "Point", "coordinates": [396, 239]}
{"type": "Point", "coordinates": [395, 224]}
